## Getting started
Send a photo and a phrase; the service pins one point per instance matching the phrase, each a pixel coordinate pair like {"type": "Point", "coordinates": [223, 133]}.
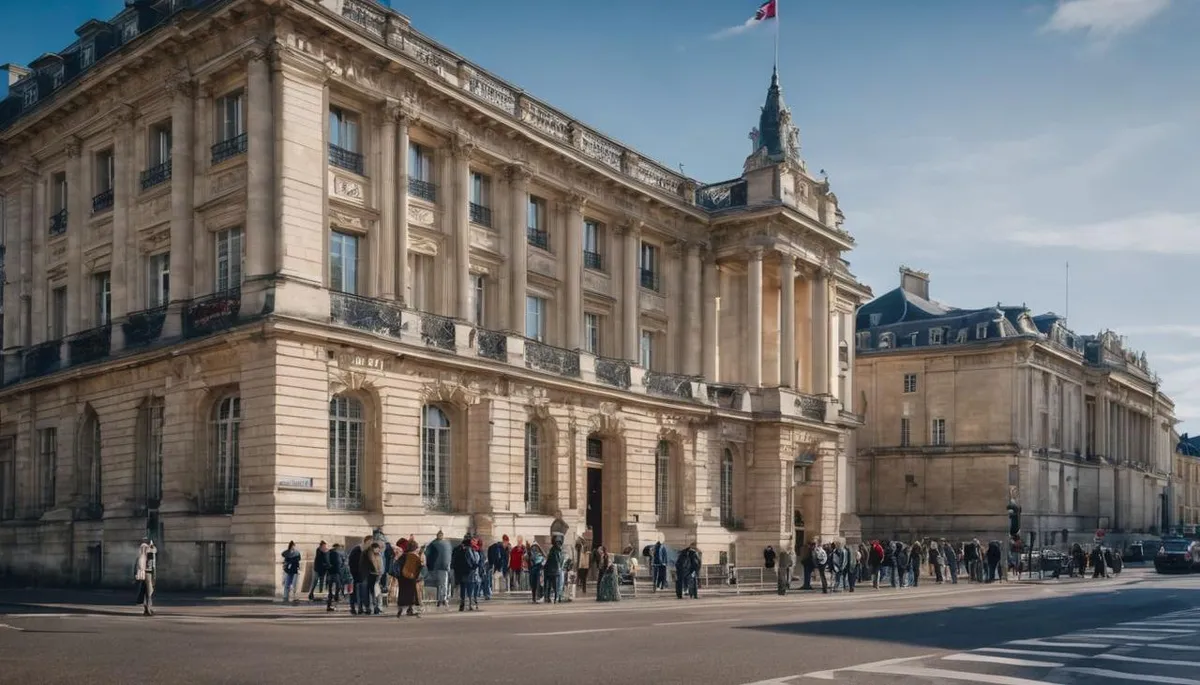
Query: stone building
{"type": "Point", "coordinates": [968, 409]}
{"type": "Point", "coordinates": [290, 270]}
{"type": "Point", "coordinates": [1185, 485]}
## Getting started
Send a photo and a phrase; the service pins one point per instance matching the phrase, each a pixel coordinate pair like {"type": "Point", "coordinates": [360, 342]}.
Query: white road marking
{"type": "Point", "coordinates": [1065, 645]}
{"type": "Point", "coordinates": [1002, 660]}
{"type": "Point", "coordinates": [868, 668]}
{"type": "Point", "coordinates": [1117, 636]}
{"type": "Point", "coordinates": [1031, 652]}
{"type": "Point", "coordinates": [1178, 648]}
{"type": "Point", "coordinates": [1144, 660]}
{"type": "Point", "coordinates": [5, 625]}
{"type": "Point", "coordinates": [570, 632]}
{"type": "Point", "coordinates": [936, 673]}
{"type": "Point", "coordinates": [692, 623]}
{"type": "Point", "coordinates": [775, 681]}
{"type": "Point", "coordinates": [1180, 631]}
{"type": "Point", "coordinates": [1143, 677]}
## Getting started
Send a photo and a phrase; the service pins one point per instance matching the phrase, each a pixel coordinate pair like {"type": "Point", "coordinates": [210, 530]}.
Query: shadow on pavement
{"type": "Point", "coordinates": [965, 628]}
{"type": "Point", "coordinates": [43, 601]}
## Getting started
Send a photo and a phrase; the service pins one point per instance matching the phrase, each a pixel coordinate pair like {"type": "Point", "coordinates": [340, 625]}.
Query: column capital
{"type": "Point", "coordinates": [397, 112]}
{"type": "Point", "coordinates": [258, 53]}
{"type": "Point", "coordinates": [30, 172]}
{"type": "Point", "coordinates": [180, 84]}
{"type": "Point", "coordinates": [631, 227]}
{"type": "Point", "coordinates": [518, 173]}
{"type": "Point", "coordinates": [787, 263]}
{"type": "Point", "coordinates": [461, 147]}
{"type": "Point", "coordinates": [123, 116]}
{"type": "Point", "coordinates": [575, 201]}
{"type": "Point", "coordinates": [756, 254]}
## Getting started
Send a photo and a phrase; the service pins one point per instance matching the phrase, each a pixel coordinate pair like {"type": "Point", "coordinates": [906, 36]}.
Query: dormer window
{"type": "Point", "coordinates": [29, 96]}
{"type": "Point", "coordinates": [875, 318]}
{"type": "Point", "coordinates": [912, 339]}
{"type": "Point", "coordinates": [129, 30]}
{"type": "Point", "coordinates": [87, 55]}
{"type": "Point", "coordinates": [937, 336]}
{"type": "Point", "coordinates": [887, 340]}
{"type": "Point", "coordinates": [981, 331]}
{"type": "Point", "coordinates": [57, 74]}
{"type": "Point", "coordinates": [962, 336]}
{"type": "Point", "coordinates": [864, 340]}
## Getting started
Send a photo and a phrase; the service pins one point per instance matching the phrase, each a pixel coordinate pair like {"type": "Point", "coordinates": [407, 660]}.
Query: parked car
{"type": "Point", "coordinates": [1178, 555]}
{"type": "Point", "coordinates": [1135, 552]}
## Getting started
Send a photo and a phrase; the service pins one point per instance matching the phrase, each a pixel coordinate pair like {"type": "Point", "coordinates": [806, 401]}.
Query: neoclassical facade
{"type": "Point", "coordinates": [973, 408]}
{"type": "Point", "coordinates": [289, 270]}
{"type": "Point", "coordinates": [1185, 486]}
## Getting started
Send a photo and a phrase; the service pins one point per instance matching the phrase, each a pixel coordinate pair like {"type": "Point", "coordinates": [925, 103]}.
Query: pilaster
{"type": "Point", "coordinates": [122, 274]}
{"type": "Point", "coordinates": [711, 279]}
{"type": "Point", "coordinates": [754, 311]}
{"type": "Point", "coordinates": [78, 206]}
{"type": "Point", "coordinates": [183, 120]}
{"type": "Point", "coordinates": [460, 150]}
{"type": "Point", "coordinates": [631, 235]}
{"type": "Point", "coordinates": [787, 323]}
{"type": "Point", "coordinates": [403, 277]}
{"type": "Point", "coordinates": [574, 271]}
{"type": "Point", "coordinates": [692, 313]}
{"type": "Point", "coordinates": [260, 183]}
{"type": "Point", "coordinates": [385, 235]}
{"type": "Point", "coordinates": [518, 177]}
{"type": "Point", "coordinates": [820, 333]}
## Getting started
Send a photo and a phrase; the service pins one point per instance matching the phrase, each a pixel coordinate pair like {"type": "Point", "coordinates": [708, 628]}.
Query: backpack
{"type": "Point", "coordinates": [819, 556]}
{"type": "Point", "coordinates": [411, 568]}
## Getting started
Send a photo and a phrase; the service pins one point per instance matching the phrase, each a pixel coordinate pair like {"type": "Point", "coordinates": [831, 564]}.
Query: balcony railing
{"type": "Point", "coordinates": [212, 313]}
{"type": "Point", "coordinates": [493, 345]}
{"type": "Point", "coordinates": [438, 331]}
{"type": "Point", "coordinates": [156, 175]}
{"type": "Point", "coordinates": [422, 189]}
{"type": "Point", "coordinates": [726, 195]}
{"type": "Point", "coordinates": [346, 503]}
{"type": "Point", "coordinates": [381, 317]}
{"type": "Point", "coordinates": [42, 359]}
{"type": "Point", "coordinates": [58, 222]}
{"type": "Point", "coordinates": [103, 201]}
{"type": "Point", "coordinates": [811, 407]}
{"type": "Point", "coordinates": [438, 502]}
{"type": "Point", "coordinates": [90, 345]}
{"type": "Point", "coordinates": [668, 384]}
{"type": "Point", "coordinates": [650, 279]}
{"type": "Point", "coordinates": [550, 359]}
{"type": "Point", "coordinates": [538, 238]}
{"type": "Point", "coordinates": [593, 261]}
{"type": "Point", "coordinates": [481, 215]}
{"type": "Point", "coordinates": [346, 159]}
{"type": "Point", "coordinates": [229, 148]}
{"type": "Point", "coordinates": [143, 328]}
{"type": "Point", "coordinates": [614, 372]}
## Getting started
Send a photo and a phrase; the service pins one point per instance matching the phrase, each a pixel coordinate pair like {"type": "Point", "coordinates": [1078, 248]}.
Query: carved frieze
{"type": "Point", "coordinates": [483, 239]}
{"type": "Point", "coordinates": [227, 181]}
{"type": "Point", "coordinates": [155, 211]}
{"type": "Point", "coordinates": [542, 264]}
{"type": "Point", "coordinates": [155, 238]}
{"type": "Point", "coordinates": [423, 245]}
{"type": "Point", "coordinates": [347, 220]}
{"type": "Point", "coordinates": [420, 215]}
{"type": "Point", "coordinates": [348, 189]}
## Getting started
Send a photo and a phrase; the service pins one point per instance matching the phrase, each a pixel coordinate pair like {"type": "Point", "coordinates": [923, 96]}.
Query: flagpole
{"type": "Point", "coordinates": [776, 64]}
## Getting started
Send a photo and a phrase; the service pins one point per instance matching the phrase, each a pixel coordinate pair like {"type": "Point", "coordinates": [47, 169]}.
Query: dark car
{"type": "Point", "coordinates": [1177, 555]}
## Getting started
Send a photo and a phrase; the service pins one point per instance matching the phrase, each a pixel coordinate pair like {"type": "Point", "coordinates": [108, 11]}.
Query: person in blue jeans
{"type": "Point", "coordinates": [658, 565]}
{"type": "Point", "coordinates": [291, 570]}
{"type": "Point", "coordinates": [537, 564]}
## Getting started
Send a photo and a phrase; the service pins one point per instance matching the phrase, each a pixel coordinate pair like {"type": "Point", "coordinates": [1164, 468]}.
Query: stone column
{"type": "Point", "coordinates": [386, 231]}
{"type": "Point", "coordinates": [754, 310]}
{"type": "Point", "coordinates": [79, 209]}
{"type": "Point", "coordinates": [461, 149]}
{"type": "Point", "coordinates": [403, 278]}
{"type": "Point", "coordinates": [183, 120]}
{"type": "Point", "coordinates": [19, 272]}
{"type": "Point", "coordinates": [787, 321]}
{"type": "Point", "coordinates": [518, 178]}
{"type": "Point", "coordinates": [711, 277]}
{"type": "Point", "coordinates": [260, 186]}
{"type": "Point", "coordinates": [692, 315]}
{"type": "Point", "coordinates": [122, 273]}
{"type": "Point", "coordinates": [820, 333]}
{"type": "Point", "coordinates": [574, 271]}
{"type": "Point", "coordinates": [631, 235]}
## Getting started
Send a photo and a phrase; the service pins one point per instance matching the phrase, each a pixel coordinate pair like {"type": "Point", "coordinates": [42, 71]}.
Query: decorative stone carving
{"type": "Point", "coordinates": [72, 148]}
{"type": "Point", "coordinates": [345, 380]}
{"type": "Point", "coordinates": [123, 116]}
{"type": "Point", "coordinates": [461, 146]}
{"type": "Point", "coordinates": [345, 220]}
{"type": "Point", "coordinates": [230, 180]}
{"type": "Point", "coordinates": [518, 173]}
{"type": "Point", "coordinates": [606, 424]}
{"type": "Point", "coordinates": [423, 245]}
{"type": "Point", "coordinates": [347, 188]}
{"type": "Point", "coordinates": [454, 394]}
{"type": "Point", "coordinates": [180, 83]}
{"type": "Point", "coordinates": [419, 215]}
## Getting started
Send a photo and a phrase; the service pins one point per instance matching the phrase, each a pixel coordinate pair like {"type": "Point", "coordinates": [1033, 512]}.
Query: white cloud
{"type": "Point", "coordinates": [1167, 233]}
{"type": "Point", "coordinates": [1103, 19]}
{"type": "Point", "coordinates": [749, 25]}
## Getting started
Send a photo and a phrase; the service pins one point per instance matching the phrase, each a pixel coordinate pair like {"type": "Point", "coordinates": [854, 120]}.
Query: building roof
{"type": "Point", "coordinates": [1189, 446]}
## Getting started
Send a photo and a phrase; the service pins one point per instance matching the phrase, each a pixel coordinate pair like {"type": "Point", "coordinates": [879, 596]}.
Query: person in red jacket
{"type": "Point", "coordinates": [516, 561]}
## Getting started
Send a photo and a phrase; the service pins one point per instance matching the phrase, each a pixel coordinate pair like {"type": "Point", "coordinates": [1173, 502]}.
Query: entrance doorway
{"type": "Point", "coordinates": [595, 503]}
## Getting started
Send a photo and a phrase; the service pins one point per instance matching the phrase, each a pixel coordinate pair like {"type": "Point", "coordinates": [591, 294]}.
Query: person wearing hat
{"type": "Point", "coordinates": [143, 574]}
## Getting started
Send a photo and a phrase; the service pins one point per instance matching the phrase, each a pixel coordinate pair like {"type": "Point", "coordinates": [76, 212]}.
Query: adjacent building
{"type": "Point", "coordinates": [291, 270]}
{"type": "Point", "coordinates": [969, 409]}
{"type": "Point", "coordinates": [1185, 485]}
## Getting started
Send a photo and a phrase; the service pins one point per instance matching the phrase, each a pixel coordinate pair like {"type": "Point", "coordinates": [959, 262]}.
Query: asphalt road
{"type": "Point", "coordinates": [1140, 626]}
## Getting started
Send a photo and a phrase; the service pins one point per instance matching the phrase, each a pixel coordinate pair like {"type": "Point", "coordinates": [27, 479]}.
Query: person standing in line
{"type": "Point", "coordinates": [437, 560]}
{"type": "Point", "coordinates": [535, 559]}
{"type": "Point", "coordinates": [786, 562]}
{"type": "Point", "coordinates": [407, 572]}
{"type": "Point", "coordinates": [464, 562]}
{"type": "Point", "coordinates": [144, 569]}
{"type": "Point", "coordinates": [372, 568]}
{"type": "Point", "coordinates": [354, 561]}
{"type": "Point", "coordinates": [291, 570]}
{"type": "Point", "coordinates": [516, 565]}
{"type": "Point", "coordinates": [497, 557]}
{"type": "Point", "coordinates": [658, 565]}
{"type": "Point", "coordinates": [336, 569]}
{"type": "Point", "coordinates": [583, 561]}
{"type": "Point", "coordinates": [553, 571]}
{"type": "Point", "coordinates": [386, 554]}
{"type": "Point", "coordinates": [320, 571]}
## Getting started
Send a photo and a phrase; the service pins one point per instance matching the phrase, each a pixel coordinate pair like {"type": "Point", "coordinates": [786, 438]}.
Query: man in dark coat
{"type": "Point", "coordinates": [336, 562]}
{"type": "Point", "coordinates": [320, 571]}
{"type": "Point", "coordinates": [354, 561]}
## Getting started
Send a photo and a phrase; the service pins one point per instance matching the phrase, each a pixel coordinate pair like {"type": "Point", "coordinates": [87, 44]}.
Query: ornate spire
{"type": "Point", "coordinates": [776, 139]}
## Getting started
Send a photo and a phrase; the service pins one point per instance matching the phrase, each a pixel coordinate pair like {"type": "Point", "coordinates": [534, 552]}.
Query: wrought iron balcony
{"type": "Point", "coordinates": [143, 328]}
{"type": "Point", "coordinates": [103, 201]}
{"type": "Point", "coordinates": [381, 317]}
{"type": "Point", "coordinates": [346, 159]}
{"type": "Point", "coordinates": [668, 384]}
{"type": "Point", "coordinates": [229, 148]}
{"type": "Point", "coordinates": [156, 175]}
{"type": "Point", "coordinates": [347, 503]}
{"type": "Point", "coordinates": [439, 502]}
{"type": "Point", "coordinates": [422, 189]}
{"type": "Point", "coordinates": [42, 359]}
{"type": "Point", "coordinates": [811, 407]}
{"type": "Point", "coordinates": [481, 215]}
{"type": "Point", "coordinates": [614, 372]}
{"type": "Point", "coordinates": [725, 195]}
{"type": "Point", "coordinates": [211, 313]}
{"type": "Point", "coordinates": [651, 279]}
{"type": "Point", "coordinates": [538, 238]}
{"type": "Point", "coordinates": [493, 345]}
{"type": "Point", "coordinates": [550, 359]}
{"type": "Point", "coordinates": [593, 261]}
{"type": "Point", "coordinates": [90, 345]}
{"type": "Point", "coordinates": [438, 331]}
{"type": "Point", "coordinates": [58, 222]}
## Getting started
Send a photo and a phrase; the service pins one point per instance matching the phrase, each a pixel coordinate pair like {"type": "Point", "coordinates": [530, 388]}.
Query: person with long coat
{"type": "Point", "coordinates": [407, 570]}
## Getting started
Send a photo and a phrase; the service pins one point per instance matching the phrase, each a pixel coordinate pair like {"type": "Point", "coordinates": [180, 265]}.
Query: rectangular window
{"type": "Point", "coordinates": [158, 280]}
{"type": "Point", "coordinates": [229, 259]}
{"type": "Point", "coordinates": [905, 433]}
{"type": "Point", "coordinates": [29, 96]}
{"type": "Point", "coordinates": [938, 432]}
{"type": "Point", "coordinates": [535, 225]}
{"type": "Point", "coordinates": [87, 55]}
{"type": "Point", "coordinates": [479, 298]}
{"type": "Point", "coordinates": [59, 74]}
{"type": "Point", "coordinates": [160, 144]}
{"type": "Point", "coordinates": [343, 263]}
{"type": "Point", "coordinates": [420, 163]}
{"type": "Point", "coordinates": [129, 30]}
{"type": "Point", "coordinates": [105, 171]}
{"type": "Point", "coordinates": [58, 313]}
{"type": "Point", "coordinates": [981, 331]}
{"type": "Point", "coordinates": [343, 129]}
{"type": "Point", "coordinates": [962, 336]}
{"type": "Point", "coordinates": [481, 199]}
{"type": "Point", "coordinates": [910, 383]}
{"type": "Point", "coordinates": [535, 318]}
{"type": "Point", "coordinates": [8, 485]}
{"type": "Point", "coordinates": [936, 336]}
{"type": "Point", "coordinates": [591, 333]}
{"type": "Point", "coordinates": [648, 263]}
{"type": "Point", "coordinates": [591, 246]}
{"type": "Point", "coordinates": [419, 295]}
{"type": "Point", "coordinates": [102, 287]}
{"type": "Point", "coordinates": [58, 184]}
{"type": "Point", "coordinates": [47, 468]}
{"type": "Point", "coordinates": [646, 349]}
{"type": "Point", "coordinates": [864, 339]}
{"type": "Point", "coordinates": [231, 121]}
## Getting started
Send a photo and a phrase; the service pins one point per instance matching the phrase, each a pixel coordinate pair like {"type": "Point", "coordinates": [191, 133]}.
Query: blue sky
{"type": "Point", "coordinates": [988, 142]}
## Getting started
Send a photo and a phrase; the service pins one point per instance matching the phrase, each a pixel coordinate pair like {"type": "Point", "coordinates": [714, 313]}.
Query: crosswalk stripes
{"type": "Point", "coordinates": [1163, 649]}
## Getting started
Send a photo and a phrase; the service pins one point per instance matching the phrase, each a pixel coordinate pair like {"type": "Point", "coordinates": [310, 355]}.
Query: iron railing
{"type": "Point", "coordinates": [58, 222]}
{"type": "Point", "coordinates": [481, 215]}
{"type": "Point", "coordinates": [811, 407]}
{"type": "Point", "coordinates": [668, 384]}
{"type": "Point", "coordinates": [42, 359]}
{"type": "Point", "coordinates": [156, 175]}
{"type": "Point", "coordinates": [90, 345]}
{"type": "Point", "coordinates": [229, 148]}
{"type": "Point", "coordinates": [211, 313]}
{"type": "Point", "coordinates": [650, 279]}
{"type": "Point", "coordinates": [726, 396]}
{"type": "Point", "coordinates": [437, 502]}
{"type": "Point", "coordinates": [593, 261]}
{"type": "Point", "coordinates": [493, 345]}
{"type": "Point", "coordinates": [144, 327]}
{"type": "Point", "coordinates": [614, 372]}
{"type": "Point", "coordinates": [538, 238]}
{"type": "Point", "coordinates": [438, 331]}
{"type": "Point", "coordinates": [381, 317]}
{"type": "Point", "coordinates": [352, 502]}
{"type": "Point", "coordinates": [422, 189]}
{"type": "Point", "coordinates": [103, 201]}
{"type": "Point", "coordinates": [346, 159]}
{"type": "Point", "coordinates": [556, 360]}
{"type": "Point", "coordinates": [725, 195]}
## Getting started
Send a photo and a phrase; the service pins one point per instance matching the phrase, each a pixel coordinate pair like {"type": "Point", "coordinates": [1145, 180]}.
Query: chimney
{"type": "Point", "coordinates": [915, 282]}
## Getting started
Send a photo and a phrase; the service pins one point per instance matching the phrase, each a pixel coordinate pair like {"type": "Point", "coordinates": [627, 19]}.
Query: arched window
{"type": "Point", "coordinates": [88, 456]}
{"type": "Point", "coordinates": [347, 443]}
{"type": "Point", "coordinates": [533, 467]}
{"type": "Point", "coordinates": [223, 457]}
{"type": "Point", "coordinates": [727, 487]}
{"type": "Point", "coordinates": [435, 458]}
{"type": "Point", "coordinates": [150, 452]}
{"type": "Point", "coordinates": [662, 482]}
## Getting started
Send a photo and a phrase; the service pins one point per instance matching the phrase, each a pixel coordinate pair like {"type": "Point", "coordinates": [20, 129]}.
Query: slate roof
{"type": "Point", "coordinates": [1189, 446]}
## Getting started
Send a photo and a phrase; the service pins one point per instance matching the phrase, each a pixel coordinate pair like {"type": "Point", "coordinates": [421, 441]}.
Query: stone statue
{"type": "Point", "coordinates": [754, 137]}
{"type": "Point", "coordinates": [793, 142]}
